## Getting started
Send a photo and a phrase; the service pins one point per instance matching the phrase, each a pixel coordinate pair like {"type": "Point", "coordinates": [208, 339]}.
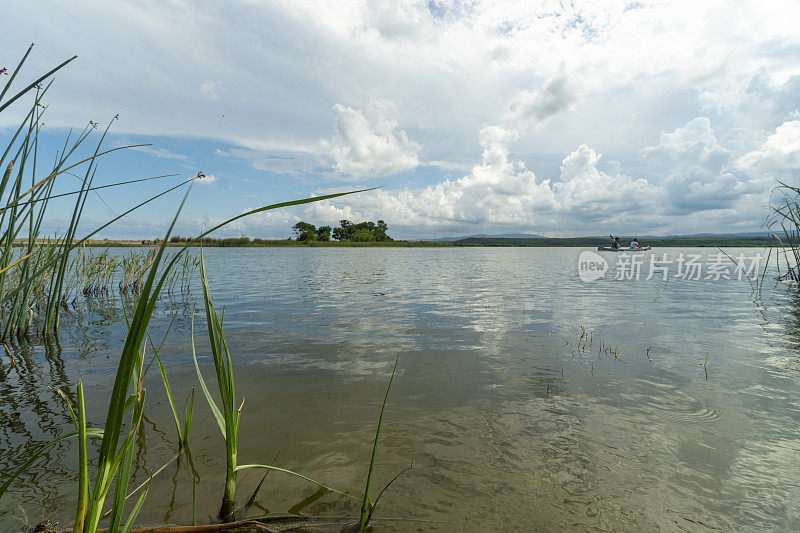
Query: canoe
{"type": "Point", "coordinates": [610, 249]}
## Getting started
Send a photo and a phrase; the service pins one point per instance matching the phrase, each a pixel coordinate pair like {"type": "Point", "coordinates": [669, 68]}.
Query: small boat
{"type": "Point", "coordinates": [612, 249]}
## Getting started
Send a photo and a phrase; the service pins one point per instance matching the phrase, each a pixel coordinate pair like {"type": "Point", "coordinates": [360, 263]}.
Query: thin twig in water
{"type": "Point", "coordinates": [375, 503]}
{"type": "Point", "coordinates": [252, 499]}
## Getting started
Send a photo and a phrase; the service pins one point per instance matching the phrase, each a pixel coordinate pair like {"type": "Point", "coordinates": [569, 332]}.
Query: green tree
{"type": "Point", "coordinates": [342, 233]}
{"type": "Point", "coordinates": [324, 233]}
{"type": "Point", "coordinates": [305, 231]}
{"type": "Point", "coordinates": [363, 236]}
{"type": "Point", "coordinates": [380, 231]}
{"type": "Point", "coordinates": [361, 232]}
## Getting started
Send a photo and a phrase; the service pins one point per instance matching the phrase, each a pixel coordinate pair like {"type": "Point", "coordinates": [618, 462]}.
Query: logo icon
{"type": "Point", "coordinates": [591, 266]}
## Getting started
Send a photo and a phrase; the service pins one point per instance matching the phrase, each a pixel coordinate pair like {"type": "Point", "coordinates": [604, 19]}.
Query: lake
{"type": "Point", "coordinates": [526, 398]}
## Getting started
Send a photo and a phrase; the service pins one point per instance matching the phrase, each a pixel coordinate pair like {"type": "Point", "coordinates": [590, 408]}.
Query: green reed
{"type": "Point", "coordinates": [785, 216]}
{"type": "Point", "coordinates": [114, 458]}
{"type": "Point", "coordinates": [134, 265]}
{"type": "Point", "coordinates": [91, 274]}
{"type": "Point", "coordinates": [182, 430]}
{"type": "Point", "coordinates": [33, 287]}
{"type": "Point", "coordinates": [33, 290]}
{"type": "Point", "coordinates": [229, 415]}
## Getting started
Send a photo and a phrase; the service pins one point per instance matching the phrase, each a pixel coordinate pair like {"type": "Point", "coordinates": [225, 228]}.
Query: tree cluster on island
{"type": "Point", "coordinates": [347, 231]}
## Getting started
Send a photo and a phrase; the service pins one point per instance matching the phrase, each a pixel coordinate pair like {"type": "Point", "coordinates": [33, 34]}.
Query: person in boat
{"type": "Point", "coordinates": [615, 242]}
{"type": "Point", "coordinates": [634, 243]}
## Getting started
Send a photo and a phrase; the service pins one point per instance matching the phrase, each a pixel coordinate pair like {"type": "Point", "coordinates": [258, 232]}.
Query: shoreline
{"type": "Point", "coordinates": [581, 242]}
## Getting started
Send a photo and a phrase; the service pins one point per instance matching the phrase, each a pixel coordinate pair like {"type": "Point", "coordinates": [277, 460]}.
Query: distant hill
{"type": "Point", "coordinates": [500, 236]}
{"type": "Point", "coordinates": [707, 235]}
{"type": "Point", "coordinates": [678, 240]}
{"type": "Point", "coordinates": [602, 238]}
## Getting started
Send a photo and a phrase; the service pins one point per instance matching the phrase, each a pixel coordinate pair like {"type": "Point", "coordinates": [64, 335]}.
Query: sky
{"type": "Point", "coordinates": [556, 118]}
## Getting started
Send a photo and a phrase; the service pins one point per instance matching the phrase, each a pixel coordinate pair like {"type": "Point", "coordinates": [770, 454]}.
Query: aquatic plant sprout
{"type": "Point", "coordinates": [366, 503]}
{"type": "Point", "coordinates": [228, 417]}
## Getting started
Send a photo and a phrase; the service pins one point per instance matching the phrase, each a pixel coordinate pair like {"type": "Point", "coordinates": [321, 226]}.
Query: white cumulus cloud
{"type": "Point", "coordinates": [605, 76]}
{"type": "Point", "coordinates": [781, 151]}
{"type": "Point", "coordinates": [690, 183]}
{"type": "Point", "coordinates": [588, 193]}
{"type": "Point", "coordinates": [368, 144]}
{"type": "Point", "coordinates": [502, 193]}
{"type": "Point", "coordinates": [696, 173]}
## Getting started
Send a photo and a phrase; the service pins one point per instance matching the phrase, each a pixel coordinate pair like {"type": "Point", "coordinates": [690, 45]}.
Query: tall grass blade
{"type": "Point", "coordinates": [211, 403]}
{"type": "Point", "coordinates": [123, 473]}
{"type": "Point", "coordinates": [135, 512]}
{"type": "Point", "coordinates": [83, 464]}
{"type": "Point", "coordinates": [223, 367]}
{"type": "Point", "coordinates": [301, 476]}
{"type": "Point", "coordinates": [16, 71]}
{"type": "Point", "coordinates": [118, 403]}
{"type": "Point", "coordinates": [97, 188]}
{"type": "Point", "coordinates": [96, 155]}
{"type": "Point", "coordinates": [35, 83]}
{"type": "Point", "coordinates": [169, 397]}
{"type": "Point", "coordinates": [15, 263]}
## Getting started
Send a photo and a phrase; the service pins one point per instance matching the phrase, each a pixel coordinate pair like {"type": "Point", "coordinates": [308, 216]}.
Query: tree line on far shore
{"type": "Point", "coordinates": [305, 232]}
{"type": "Point", "coordinates": [347, 231]}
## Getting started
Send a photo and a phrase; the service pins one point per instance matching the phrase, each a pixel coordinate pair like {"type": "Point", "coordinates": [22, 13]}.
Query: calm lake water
{"type": "Point", "coordinates": [512, 420]}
